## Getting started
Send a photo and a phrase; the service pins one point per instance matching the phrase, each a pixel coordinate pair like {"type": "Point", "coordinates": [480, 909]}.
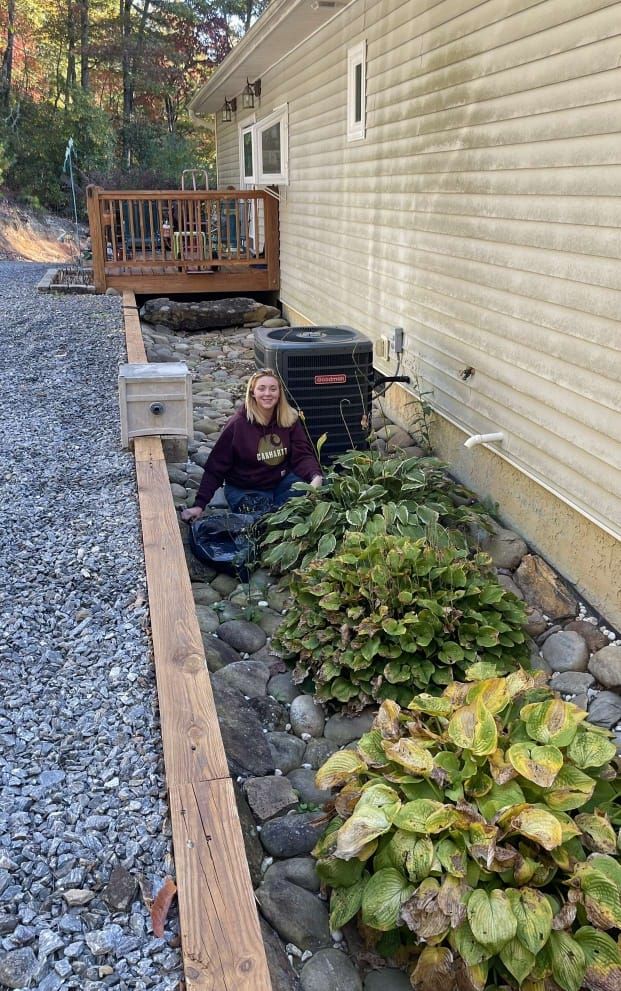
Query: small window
{"type": "Point", "coordinates": [356, 91]}
{"type": "Point", "coordinates": [264, 150]}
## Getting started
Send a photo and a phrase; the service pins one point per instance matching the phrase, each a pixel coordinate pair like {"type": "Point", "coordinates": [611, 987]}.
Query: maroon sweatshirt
{"type": "Point", "coordinates": [255, 456]}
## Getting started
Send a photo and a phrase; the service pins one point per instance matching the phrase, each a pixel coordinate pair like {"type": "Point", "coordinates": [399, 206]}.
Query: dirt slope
{"type": "Point", "coordinates": [29, 236]}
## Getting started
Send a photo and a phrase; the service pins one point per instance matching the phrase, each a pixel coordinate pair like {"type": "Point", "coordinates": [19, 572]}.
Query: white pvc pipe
{"type": "Point", "coordinates": [483, 439]}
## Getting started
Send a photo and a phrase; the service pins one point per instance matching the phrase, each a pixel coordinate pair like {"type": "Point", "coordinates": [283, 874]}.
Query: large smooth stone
{"type": "Point", "coordinates": [330, 969]}
{"type": "Point", "coordinates": [318, 751]}
{"type": "Point", "coordinates": [282, 975]}
{"type": "Point", "coordinates": [343, 729]}
{"type": "Point", "coordinates": [303, 781]}
{"type": "Point", "coordinates": [287, 751]}
{"type": "Point", "coordinates": [593, 637]}
{"type": "Point", "coordinates": [297, 915]}
{"type": "Point", "coordinates": [271, 714]}
{"type": "Point", "coordinates": [249, 677]}
{"type": "Point", "coordinates": [219, 653]}
{"type": "Point", "coordinates": [242, 734]}
{"type": "Point", "coordinates": [605, 665]}
{"type": "Point", "coordinates": [254, 851]}
{"type": "Point", "coordinates": [242, 635]}
{"type": "Point", "coordinates": [572, 682]}
{"type": "Point", "coordinates": [387, 979]}
{"type": "Point", "coordinates": [204, 594]}
{"type": "Point", "coordinates": [270, 797]}
{"type": "Point", "coordinates": [605, 709]}
{"type": "Point", "coordinates": [292, 835]}
{"type": "Point", "coordinates": [282, 688]}
{"type": "Point", "coordinates": [566, 651]}
{"type": "Point", "coordinates": [298, 870]}
{"type": "Point", "coordinates": [306, 716]}
{"type": "Point", "coordinates": [208, 619]}
{"type": "Point", "coordinates": [544, 589]}
{"type": "Point", "coordinates": [505, 548]}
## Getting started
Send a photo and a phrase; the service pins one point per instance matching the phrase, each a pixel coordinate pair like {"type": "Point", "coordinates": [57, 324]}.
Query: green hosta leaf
{"type": "Point", "coordinates": [413, 816]}
{"type": "Point", "coordinates": [534, 918]}
{"type": "Point", "coordinates": [431, 704]}
{"type": "Point", "coordinates": [538, 764]}
{"type": "Point", "coordinates": [588, 749]}
{"type": "Point", "coordinates": [319, 514]}
{"type": "Point", "coordinates": [370, 748]}
{"type": "Point", "coordinates": [464, 943]}
{"type": "Point", "coordinates": [346, 902]}
{"type": "Point", "coordinates": [339, 873]}
{"type": "Point", "coordinates": [383, 897]}
{"type": "Point", "coordinates": [473, 728]}
{"type": "Point", "coordinates": [500, 797]}
{"type": "Point", "coordinates": [393, 627]}
{"type": "Point", "coordinates": [342, 690]}
{"type": "Point", "coordinates": [572, 788]}
{"type": "Point", "coordinates": [491, 920]}
{"type": "Point", "coordinates": [568, 961]}
{"type": "Point", "coordinates": [326, 545]}
{"type": "Point", "coordinates": [537, 825]}
{"type": "Point", "coordinates": [597, 832]}
{"type": "Point", "coordinates": [451, 653]}
{"type": "Point", "coordinates": [492, 692]}
{"type": "Point", "coordinates": [553, 721]}
{"type": "Point", "coordinates": [518, 960]}
{"type": "Point", "coordinates": [603, 960]}
{"type": "Point", "coordinates": [410, 755]}
{"type": "Point", "coordinates": [339, 768]}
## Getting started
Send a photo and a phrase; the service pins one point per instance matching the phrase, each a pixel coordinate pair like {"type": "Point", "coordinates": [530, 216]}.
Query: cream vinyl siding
{"type": "Point", "coordinates": [482, 213]}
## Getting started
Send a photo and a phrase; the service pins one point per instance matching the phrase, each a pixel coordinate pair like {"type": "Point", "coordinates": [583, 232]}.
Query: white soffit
{"type": "Point", "coordinates": [283, 26]}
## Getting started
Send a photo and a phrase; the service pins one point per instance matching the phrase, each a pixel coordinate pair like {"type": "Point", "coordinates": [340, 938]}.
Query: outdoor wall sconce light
{"type": "Point", "coordinates": [251, 91]}
{"type": "Point", "coordinates": [229, 108]}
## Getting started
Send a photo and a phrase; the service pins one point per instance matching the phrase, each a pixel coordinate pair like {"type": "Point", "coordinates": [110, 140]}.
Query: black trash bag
{"type": "Point", "coordinates": [226, 542]}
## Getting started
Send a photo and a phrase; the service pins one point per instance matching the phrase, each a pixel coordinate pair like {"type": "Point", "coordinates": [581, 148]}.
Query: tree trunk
{"type": "Point", "coordinates": [85, 78]}
{"type": "Point", "coordinates": [71, 40]}
{"type": "Point", "coordinates": [6, 67]}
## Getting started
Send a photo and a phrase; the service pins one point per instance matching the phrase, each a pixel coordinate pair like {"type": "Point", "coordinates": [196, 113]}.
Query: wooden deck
{"type": "Point", "coordinates": [221, 938]}
{"type": "Point", "coordinates": [163, 241]}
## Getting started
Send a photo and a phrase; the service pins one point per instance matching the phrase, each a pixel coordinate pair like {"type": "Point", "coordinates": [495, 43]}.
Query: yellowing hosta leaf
{"type": "Point", "coordinates": [518, 960]}
{"type": "Point", "coordinates": [597, 832]}
{"type": "Point", "coordinates": [572, 789]}
{"type": "Point", "coordinates": [603, 959]}
{"type": "Point", "coordinates": [589, 749]}
{"type": "Point", "coordinates": [476, 976]}
{"type": "Point", "coordinates": [464, 943]}
{"type": "Point", "coordinates": [492, 692]}
{"type": "Point", "coordinates": [473, 728]}
{"type": "Point", "coordinates": [568, 961]}
{"type": "Point", "coordinates": [537, 764]}
{"type": "Point", "coordinates": [500, 768]}
{"type": "Point", "coordinates": [491, 920]}
{"type": "Point", "coordinates": [345, 903]}
{"type": "Point", "coordinates": [383, 897]}
{"type": "Point", "coordinates": [371, 818]}
{"type": "Point", "coordinates": [434, 969]}
{"type": "Point", "coordinates": [519, 681]}
{"type": "Point", "coordinates": [600, 895]}
{"type": "Point", "coordinates": [431, 705]}
{"type": "Point", "coordinates": [410, 755]}
{"type": "Point", "coordinates": [419, 860]}
{"type": "Point", "coordinates": [339, 768]}
{"type": "Point", "coordinates": [413, 816]}
{"type": "Point", "coordinates": [387, 719]}
{"type": "Point", "coordinates": [552, 722]}
{"type": "Point", "coordinates": [534, 918]}
{"type": "Point", "coordinates": [540, 826]}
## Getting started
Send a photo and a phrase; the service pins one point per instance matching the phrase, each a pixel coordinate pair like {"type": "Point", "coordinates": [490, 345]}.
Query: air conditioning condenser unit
{"type": "Point", "coordinates": [327, 374]}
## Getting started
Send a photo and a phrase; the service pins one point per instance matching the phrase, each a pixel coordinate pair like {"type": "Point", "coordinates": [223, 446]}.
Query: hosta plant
{"type": "Point", "coordinates": [474, 838]}
{"type": "Point", "coordinates": [387, 616]}
{"type": "Point", "coordinates": [413, 497]}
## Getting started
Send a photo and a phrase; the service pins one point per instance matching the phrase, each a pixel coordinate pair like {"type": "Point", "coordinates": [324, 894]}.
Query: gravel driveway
{"type": "Point", "coordinates": [83, 815]}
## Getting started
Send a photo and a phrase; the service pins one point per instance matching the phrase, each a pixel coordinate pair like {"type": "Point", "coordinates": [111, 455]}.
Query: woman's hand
{"type": "Point", "coordinates": [316, 481]}
{"type": "Point", "coordinates": [189, 515]}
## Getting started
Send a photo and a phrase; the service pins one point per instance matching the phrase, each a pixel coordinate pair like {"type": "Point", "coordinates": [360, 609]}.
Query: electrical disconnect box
{"type": "Point", "coordinates": [155, 400]}
{"type": "Point", "coordinates": [382, 348]}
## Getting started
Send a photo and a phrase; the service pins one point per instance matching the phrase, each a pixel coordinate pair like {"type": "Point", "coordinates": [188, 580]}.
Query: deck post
{"type": "Point", "coordinates": [271, 241]}
{"type": "Point", "coordinates": [93, 205]}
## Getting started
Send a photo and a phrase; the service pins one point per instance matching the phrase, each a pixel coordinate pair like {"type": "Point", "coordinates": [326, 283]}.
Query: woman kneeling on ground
{"type": "Point", "coordinates": [261, 452]}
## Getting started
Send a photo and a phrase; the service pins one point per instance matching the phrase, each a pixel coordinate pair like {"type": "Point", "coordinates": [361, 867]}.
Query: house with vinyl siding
{"type": "Point", "coordinates": [453, 168]}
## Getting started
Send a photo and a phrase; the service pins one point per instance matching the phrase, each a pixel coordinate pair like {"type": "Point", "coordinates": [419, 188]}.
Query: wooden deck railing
{"type": "Point", "coordinates": [184, 241]}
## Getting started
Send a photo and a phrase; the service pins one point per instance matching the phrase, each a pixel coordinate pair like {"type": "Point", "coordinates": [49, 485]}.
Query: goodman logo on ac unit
{"type": "Point", "coordinates": [330, 379]}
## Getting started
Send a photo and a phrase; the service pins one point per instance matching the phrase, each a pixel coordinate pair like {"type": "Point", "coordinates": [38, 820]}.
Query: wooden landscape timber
{"type": "Point", "coordinates": [221, 938]}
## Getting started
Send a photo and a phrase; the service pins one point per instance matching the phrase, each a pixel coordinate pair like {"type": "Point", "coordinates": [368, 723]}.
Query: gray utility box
{"type": "Point", "coordinates": [155, 399]}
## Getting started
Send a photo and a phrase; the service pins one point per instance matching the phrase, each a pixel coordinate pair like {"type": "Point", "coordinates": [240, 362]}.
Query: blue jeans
{"type": "Point", "coordinates": [260, 500]}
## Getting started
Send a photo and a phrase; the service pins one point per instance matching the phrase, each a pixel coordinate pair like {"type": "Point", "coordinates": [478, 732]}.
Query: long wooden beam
{"type": "Point", "coordinates": [221, 938]}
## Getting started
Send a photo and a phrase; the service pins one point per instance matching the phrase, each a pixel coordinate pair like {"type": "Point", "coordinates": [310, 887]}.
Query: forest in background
{"type": "Point", "coordinates": [116, 76]}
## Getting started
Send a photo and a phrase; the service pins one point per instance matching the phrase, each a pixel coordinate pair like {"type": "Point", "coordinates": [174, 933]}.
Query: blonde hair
{"type": "Point", "coordinates": [285, 414]}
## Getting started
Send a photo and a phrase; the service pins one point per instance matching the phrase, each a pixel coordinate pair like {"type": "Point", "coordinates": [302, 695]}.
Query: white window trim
{"type": "Point", "coordinates": [356, 56]}
{"type": "Point", "coordinates": [279, 115]}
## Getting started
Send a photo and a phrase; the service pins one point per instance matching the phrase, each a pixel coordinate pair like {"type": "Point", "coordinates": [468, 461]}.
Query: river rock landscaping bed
{"type": "Point", "coordinates": [277, 737]}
